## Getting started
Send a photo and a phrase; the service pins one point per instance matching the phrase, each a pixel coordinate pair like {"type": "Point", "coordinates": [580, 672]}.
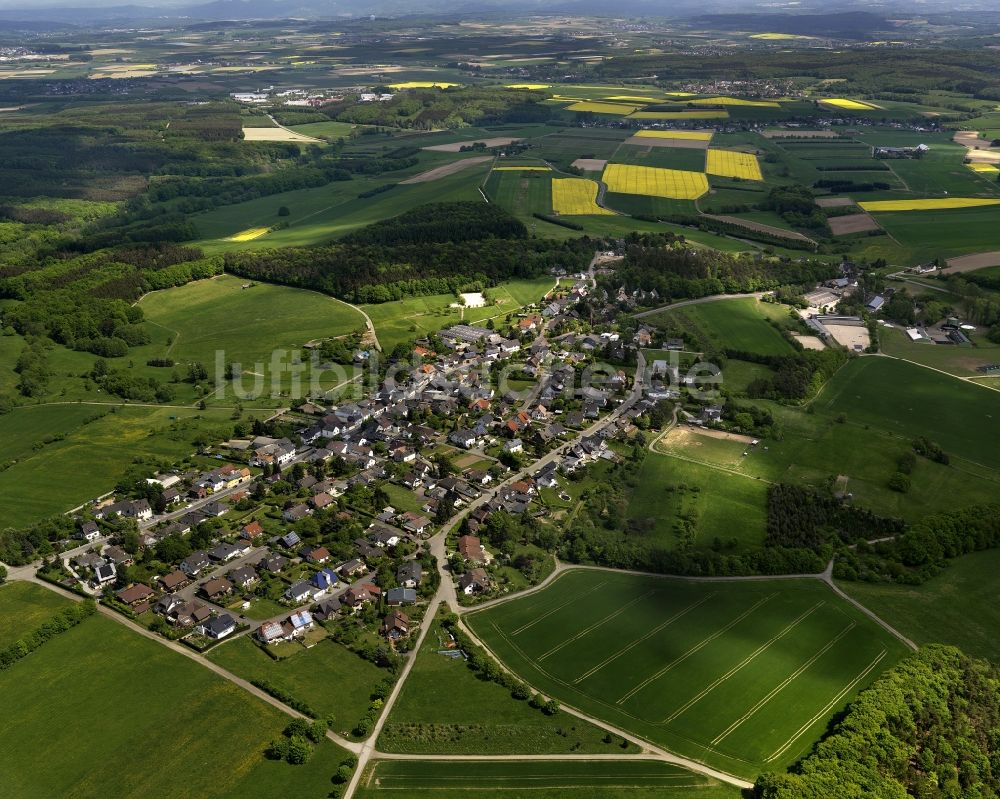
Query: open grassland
{"type": "Point", "coordinates": [733, 164]}
{"type": "Point", "coordinates": [935, 204]}
{"type": "Point", "coordinates": [912, 401]}
{"type": "Point", "coordinates": [329, 678]}
{"type": "Point", "coordinates": [522, 193]}
{"type": "Point", "coordinates": [718, 504]}
{"type": "Point", "coordinates": [687, 159]}
{"type": "Point", "coordinates": [576, 196]}
{"type": "Point", "coordinates": [404, 320]}
{"type": "Point", "coordinates": [245, 324]}
{"type": "Point", "coordinates": [566, 779]}
{"type": "Point", "coordinates": [24, 607]}
{"type": "Point", "coordinates": [87, 699]}
{"type": "Point", "coordinates": [740, 675]}
{"type": "Point", "coordinates": [739, 324]}
{"type": "Point", "coordinates": [653, 182]}
{"type": "Point", "coordinates": [956, 607]}
{"type": "Point", "coordinates": [331, 131]}
{"type": "Point", "coordinates": [95, 451]}
{"type": "Point", "coordinates": [328, 212]}
{"type": "Point", "coordinates": [445, 709]}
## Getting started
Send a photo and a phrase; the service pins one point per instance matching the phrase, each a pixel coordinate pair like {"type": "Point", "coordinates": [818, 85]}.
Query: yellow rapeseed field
{"type": "Point", "coordinates": [989, 169]}
{"type": "Point", "coordinates": [249, 234]}
{"type": "Point", "coordinates": [712, 113]}
{"type": "Point", "coordinates": [655, 182]}
{"type": "Point", "coordinates": [849, 105]}
{"type": "Point", "coordinates": [732, 164]}
{"type": "Point", "coordinates": [528, 85]}
{"type": "Point", "coordinates": [939, 204]}
{"type": "Point", "coordinates": [422, 84]}
{"type": "Point", "coordinates": [576, 196]}
{"type": "Point", "coordinates": [602, 108]}
{"type": "Point", "coordinates": [524, 168]}
{"type": "Point", "coordinates": [635, 98]}
{"type": "Point", "coordinates": [735, 101]}
{"type": "Point", "coordinates": [691, 135]}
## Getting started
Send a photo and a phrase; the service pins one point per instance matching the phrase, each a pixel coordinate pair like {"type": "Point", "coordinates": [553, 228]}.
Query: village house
{"type": "Point", "coordinates": [471, 549]}
{"type": "Point", "coordinates": [174, 581]}
{"type": "Point", "coordinates": [409, 574]}
{"type": "Point", "coordinates": [396, 625]}
{"type": "Point", "coordinates": [474, 581]}
{"type": "Point", "coordinates": [217, 589]}
{"type": "Point", "coordinates": [217, 627]}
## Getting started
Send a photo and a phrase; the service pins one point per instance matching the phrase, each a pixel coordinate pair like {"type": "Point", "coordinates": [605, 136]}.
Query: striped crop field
{"type": "Point", "coordinates": [651, 181]}
{"type": "Point", "coordinates": [742, 675]}
{"type": "Point", "coordinates": [576, 196]}
{"type": "Point", "coordinates": [733, 164]}
{"type": "Point", "coordinates": [936, 204]}
{"type": "Point", "coordinates": [683, 135]}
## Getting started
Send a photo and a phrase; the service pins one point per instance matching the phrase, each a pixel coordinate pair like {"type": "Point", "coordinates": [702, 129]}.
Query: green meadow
{"type": "Point", "coordinates": [444, 708]}
{"type": "Point", "coordinates": [25, 607]}
{"type": "Point", "coordinates": [329, 678]}
{"type": "Point", "coordinates": [97, 445]}
{"type": "Point", "coordinates": [144, 722]}
{"type": "Point", "coordinates": [956, 607]}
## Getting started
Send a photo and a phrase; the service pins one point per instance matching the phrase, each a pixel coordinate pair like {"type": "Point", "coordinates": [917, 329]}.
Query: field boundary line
{"type": "Point", "coordinates": [759, 651]}
{"type": "Point", "coordinates": [595, 625]}
{"type": "Point", "coordinates": [783, 684]}
{"type": "Point", "coordinates": [556, 609]}
{"type": "Point", "coordinates": [696, 648]}
{"type": "Point", "coordinates": [637, 641]}
{"type": "Point", "coordinates": [826, 708]}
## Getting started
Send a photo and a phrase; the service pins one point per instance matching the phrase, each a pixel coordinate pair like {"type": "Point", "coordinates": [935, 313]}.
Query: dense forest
{"type": "Point", "coordinates": [928, 728]}
{"type": "Point", "coordinates": [457, 107]}
{"type": "Point", "coordinates": [798, 517]}
{"type": "Point", "coordinates": [661, 262]}
{"type": "Point", "coordinates": [435, 249]}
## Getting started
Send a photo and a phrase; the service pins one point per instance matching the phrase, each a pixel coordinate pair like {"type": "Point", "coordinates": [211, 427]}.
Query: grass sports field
{"type": "Point", "coordinates": [671, 183]}
{"type": "Point", "coordinates": [576, 197]}
{"type": "Point", "coordinates": [329, 678]}
{"type": "Point", "coordinates": [741, 675]}
{"type": "Point", "coordinates": [733, 164]}
{"type": "Point", "coordinates": [567, 779]}
{"type": "Point", "coordinates": [105, 732]}
{"type": "Point", "coordinates": [445, 709]}
{"type": "Point", "coordinates": [957, 607]}
{"type": "Point", "coordinates": [25, 607]}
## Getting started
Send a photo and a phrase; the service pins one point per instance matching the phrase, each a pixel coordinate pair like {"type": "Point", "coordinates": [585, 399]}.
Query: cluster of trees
{"type": "Point", "coordinates": [458, 107]}
{"type": "Point", "coordinates": [657, 261]}
{"type": "Point", "coordinates": [426, 254]}
{"type": "Point", "coordinates": [795, 377]}
{"type": "Point", "coordinates": [799, 517]}
{"type": "Point", "coordinates": [923, 550]}
{"type": "Point", "coordinates": [928, 728]}
{"type": "Point", "coordinates": [797, 206]}
{"type": "Point", "coordinates": [295, 745]}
